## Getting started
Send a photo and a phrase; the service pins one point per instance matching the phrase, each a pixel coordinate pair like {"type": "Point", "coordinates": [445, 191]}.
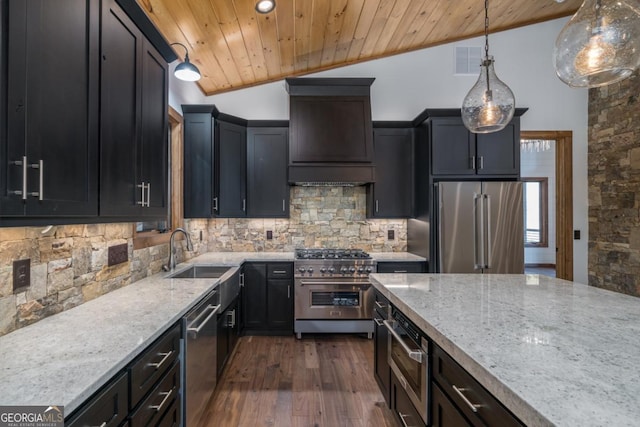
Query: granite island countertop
{"type": "Point", "coordinates": [65, 358]}
{"type": "Point", "coordinates": [554, 352]}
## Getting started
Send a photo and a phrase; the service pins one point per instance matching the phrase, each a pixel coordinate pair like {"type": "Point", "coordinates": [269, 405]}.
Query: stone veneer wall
{"type": "Point", "coordinates": [320, 217]}
{"type": "Point", "coordinates": [68, 268]}
{"type": "Point", "coordinates": [614, 186]}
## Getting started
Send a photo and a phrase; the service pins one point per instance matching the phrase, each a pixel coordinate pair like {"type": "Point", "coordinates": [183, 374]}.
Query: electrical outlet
{"type": "Point", "coordinates": [21, 274]}
{"type": "Point", "coordinates": [391, 235]}
{"type": "Point", "coordinates": [201, 235]}
{"type": "Point", "coordinates": [269, 234]}
{"type": "Point", "coordinates": [576, 234]}
{"type": "Point", "coordinates": [117, 254]}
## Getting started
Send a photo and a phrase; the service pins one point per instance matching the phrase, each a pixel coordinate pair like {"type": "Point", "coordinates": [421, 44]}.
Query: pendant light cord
{"type": "Point", "coordinates": [486, 42]}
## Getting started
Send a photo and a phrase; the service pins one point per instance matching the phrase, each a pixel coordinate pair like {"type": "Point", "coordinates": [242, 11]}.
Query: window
{"type": "Point", "coordinates": [536, 214]}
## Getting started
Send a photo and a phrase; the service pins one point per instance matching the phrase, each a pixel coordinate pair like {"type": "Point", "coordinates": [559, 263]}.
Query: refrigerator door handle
{"type": "Point", "coordinates": [487, 233]}
{"type": "Point", "coordinates": [478, 221]}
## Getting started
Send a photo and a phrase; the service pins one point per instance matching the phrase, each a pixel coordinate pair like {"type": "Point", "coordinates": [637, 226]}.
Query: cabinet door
{"type": "Point", "coordinates": [198, 165]}
{"type": "Point", "coordinates": [153, 148]}
{"type": "Point", "coordinates": [402, 406]}
{"type": "Point", "coordinates": [280, 304]}
{"type": "Point", "coordinates": [382, 371]}
{"type": "Point", "coordinates": [267, 186]}
{"type": "Point", "coordinates": [52, 108]}
{"type": "Point", "coordinates": [120, 113]}
{"type": "Point", "coordinates": [254, 294]}
{"type": "Point", "coordinates": [393, 190]}
{"type": "Point", "coordinates": [452, 147]}
{"type": "Point", "coordinates": [222, 342]}
{"type": "Point", "coordinates": [498, 153]}
{"type": "Point", "coordinates": [231, 153]}
{"type": "Point", "coordinates": [443, 412]}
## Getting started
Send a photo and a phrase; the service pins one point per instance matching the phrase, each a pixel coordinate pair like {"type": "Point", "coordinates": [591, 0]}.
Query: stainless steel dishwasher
{"type": "Point", "coordinates": [200, 327]}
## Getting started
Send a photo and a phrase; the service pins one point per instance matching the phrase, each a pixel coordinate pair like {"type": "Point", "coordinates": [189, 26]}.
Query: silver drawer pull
{"type": "Point", "coordinates": [214, 309]}
{"type": "Point", "coordinates": [402, 417]}
{"type": "Point", "coordinates": [471, 406]}
{"type": "Point", "coordinates": [399, 271]}
{"type": "Point", "coordinates": [416, 355]}
{"type": "Point", "coordinates": [164, 359]}
{"type": "Point", "coordinates": [279, 272]}
{"type": "Point", "coordinates": [166, 395]}
{"type": "Point", "coordinates": [378, 321]}
{"type": "Point", "coordinates": [104, 424]}
{"type": "Point", "coordinates": [383, 306]}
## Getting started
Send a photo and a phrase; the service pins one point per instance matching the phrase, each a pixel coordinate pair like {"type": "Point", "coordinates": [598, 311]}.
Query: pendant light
{"type": "Point", "coordinates": [599, 45]}
{"type": "Point", "coordinates": [265, 6]}
{"type": "Point", "coordinates": [186, 70]}
{"type": "Point", "coordinates": [490, 104]}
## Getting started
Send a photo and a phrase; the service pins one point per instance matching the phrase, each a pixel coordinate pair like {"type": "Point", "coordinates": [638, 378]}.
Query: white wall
{"type": "Point", "coordinates": [540, 164]}
{"type": "Point", "coordinates": [406, 84]}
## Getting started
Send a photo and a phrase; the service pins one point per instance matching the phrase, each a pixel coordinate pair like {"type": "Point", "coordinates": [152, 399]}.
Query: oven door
{"type": "Point", "coordinates": [409, 361]}
{"type": "Point", "coordinates": [333, 300]}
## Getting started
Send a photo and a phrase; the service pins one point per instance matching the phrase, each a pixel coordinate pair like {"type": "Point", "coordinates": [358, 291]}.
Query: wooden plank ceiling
{"type": "Point", "coordinates": [236, 47]}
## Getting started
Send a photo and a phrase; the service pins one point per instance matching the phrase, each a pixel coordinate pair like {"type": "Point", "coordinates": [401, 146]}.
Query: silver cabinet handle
{"type": "Point", "coordinates": [487, 234]}
{"type": "Point", "coordinates": [166, 395]}
{"type": "Point", "coordinates": [477, 231]}
{"type": "Point", "coordinates": [473, 162]}
{"type": "Point", "coordinates": [231, 315]}
{"type": "Point", "coordinates": [279, 271]}
{"type": "Point", "coordinates": [22, 192]}
{"type": "Point", "coordinates": [288, 291]}
{"type": "Point", "coordinates": [142, 187]}
{"type": "Point", "coordinates": [104, 424]}
{"type": "Point", "coordinates": [379, 322]}
{"type": "Point", "coordinates": [416, 355]}
{"type": "Point", "coordinates": [382, 306]}
{"type": "Point", "coordinates": [471, 406]}
{"type": "Point", "coordinates": [214, 309]}
{"type": "Point", "coordinates": [148, 194]}
{"type": "Point", "coordinates": [215, 204]}
{"type": "Point", "coordinates": [283, 209]}
{"type": "Point", "coordinates": [242, 280]}
{"type": "Point", "coordinates": [402, 417]}
{"type": "Point", "coordinates": [481, 162]}
{"type": "Point", "coordinates": [399, 271]}
{"type": "Point", "coordinates": [377, 206]}
{"type": "Point", "coordinates": [164, 359]}
{"type": "Point", "coordinates": [244, 205]}
{"type": "Point", "coordinates": [40, 165]}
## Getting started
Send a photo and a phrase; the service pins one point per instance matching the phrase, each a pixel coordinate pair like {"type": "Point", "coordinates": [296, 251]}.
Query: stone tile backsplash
{"type": "Point", "coordinates": [69, 262]}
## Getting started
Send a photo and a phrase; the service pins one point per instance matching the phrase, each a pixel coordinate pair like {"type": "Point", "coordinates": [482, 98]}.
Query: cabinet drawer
{"type": "Point", "coordinates": [148, 369]}
{"type": "Point", "coordinates": [163, 396]}
{"type": "Point", "coordinates": [107, 408]}
{"type": "Point", "coordinates": [402, 406]}
{"type": "Point", "coordinates": [466, 393]}
{"type": "Point", "coordinates": [401, 267]}
{"type": "Point", "coordinates": [381, 304]}
{"type": "Point", "coordinates": [173, 415]}
{"type": "Point", "coordinates": [279, 270]}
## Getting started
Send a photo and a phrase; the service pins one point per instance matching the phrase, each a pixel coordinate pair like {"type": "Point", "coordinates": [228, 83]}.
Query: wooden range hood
{"type": "Point", "coordinates": [330, 131]}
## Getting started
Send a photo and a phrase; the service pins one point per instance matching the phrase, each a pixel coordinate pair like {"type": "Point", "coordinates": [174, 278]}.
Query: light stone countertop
{"type": "Point", "coordinates": [553, 352]}
{"type": "Point", "coordinates": [396, 257]}
{"type": "Point", "coordinates": [65, 358]}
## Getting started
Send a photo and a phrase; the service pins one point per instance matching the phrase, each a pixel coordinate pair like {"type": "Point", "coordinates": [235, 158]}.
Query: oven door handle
{"type": "Point", "coordinates": [365, 284]}
{"type": "Point", "coordinates": [416, 355]}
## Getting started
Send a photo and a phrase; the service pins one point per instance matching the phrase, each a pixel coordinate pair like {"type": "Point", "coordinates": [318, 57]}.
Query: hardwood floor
{"type": "Point", "coordinates": [321, 380]}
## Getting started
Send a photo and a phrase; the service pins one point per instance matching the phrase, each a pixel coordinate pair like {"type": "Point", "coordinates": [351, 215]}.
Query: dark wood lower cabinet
{"type": "Point", "coordinates": [443, 412]}
{"type": "Point", "coordinates": [381, 368]}
{"type": "Point", "coordinates": [402, 406]}
{"type": "Point", "coordinates": [267, 298]}
{"type": "Point", "coordinates": [109, 407]}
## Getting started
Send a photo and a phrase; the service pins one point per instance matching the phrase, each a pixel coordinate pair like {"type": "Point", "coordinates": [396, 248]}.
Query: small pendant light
{"type": "Point", "coordinates": [599, 45]}
{"type": "Point", "coordinates": [490, 104]}
{"type": "Point", "coordinates": [186, 70]}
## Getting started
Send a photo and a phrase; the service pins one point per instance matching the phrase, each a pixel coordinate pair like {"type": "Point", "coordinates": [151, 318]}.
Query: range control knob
{"type": "Point", "coordinates": [310, 270]}
{"type": "Point", "coordinates": [323, 270]}
{"type": "Point", "coordinates": [352, 270]}
{"type": "Point", "coordinates": [343, 270]}
{"type": "Point", "coordinates": [360, 270]}
{"type": "Point", "coordinates": [301, 269]}
{"type": "Point", "coordinates": [369, 269]}
{"type": "Point", "coordinates": [332, 270]}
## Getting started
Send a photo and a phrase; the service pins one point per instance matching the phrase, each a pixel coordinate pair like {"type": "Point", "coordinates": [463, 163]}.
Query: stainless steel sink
{"type": "Point", "coordinates": [200, 272]}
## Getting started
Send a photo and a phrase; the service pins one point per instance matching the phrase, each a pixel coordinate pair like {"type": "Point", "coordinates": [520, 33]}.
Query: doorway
{"type": "Point", "coordinates": [562, 142]}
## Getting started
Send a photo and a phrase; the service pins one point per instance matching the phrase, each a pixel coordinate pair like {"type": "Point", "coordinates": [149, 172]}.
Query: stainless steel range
{"type": "Point", "coordinates": [333, 292]}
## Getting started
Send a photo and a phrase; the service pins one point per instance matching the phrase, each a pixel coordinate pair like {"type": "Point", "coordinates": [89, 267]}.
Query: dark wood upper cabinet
{"type": "Point", "coordinates": [198, 164]}
{"type": "Point", "coordinates": [134, 122]}
{"type": "Point", "coordinates": [267, 186]}
{"type": "Point", "coordinates": [456, 152]}
{"type": "Point", "coordinates": [391, 196]}
{"type": "Point", "coordinates": [231, 171]}
{"type": "Point", "coordinates": [49, 125]}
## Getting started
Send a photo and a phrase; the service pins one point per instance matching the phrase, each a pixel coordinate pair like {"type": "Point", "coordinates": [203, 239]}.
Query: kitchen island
{"type": "Point", "coordinates": [553, 352]}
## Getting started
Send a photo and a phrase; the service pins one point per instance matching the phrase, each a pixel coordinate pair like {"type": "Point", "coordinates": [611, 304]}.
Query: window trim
{"type": "Point", "coordinates": [544, 212]}
{"type": "Point", "coordinates": [153, 238]}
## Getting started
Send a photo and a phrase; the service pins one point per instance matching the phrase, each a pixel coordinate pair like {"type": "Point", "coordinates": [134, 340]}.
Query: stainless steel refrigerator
{"type": "Point", "coordinates": [479, 227]}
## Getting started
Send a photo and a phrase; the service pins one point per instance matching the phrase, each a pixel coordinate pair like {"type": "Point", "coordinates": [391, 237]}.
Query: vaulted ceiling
{"type": "Point", "coordinates": [236, 47]}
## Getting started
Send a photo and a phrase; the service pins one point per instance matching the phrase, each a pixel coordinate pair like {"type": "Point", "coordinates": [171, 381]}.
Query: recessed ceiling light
{"type": "Point", "coordinates": [265, 6]}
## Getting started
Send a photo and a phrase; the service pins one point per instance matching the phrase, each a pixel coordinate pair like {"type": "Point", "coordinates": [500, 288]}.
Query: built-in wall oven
{"type": "Point", "coordinates": [409, 360]}
{"type": "Point", "coordinates": [333, 292]}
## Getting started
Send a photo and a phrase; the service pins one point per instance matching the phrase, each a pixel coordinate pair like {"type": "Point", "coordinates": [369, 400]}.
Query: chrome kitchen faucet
{"type": "Point", "coordinates": [172, 250]}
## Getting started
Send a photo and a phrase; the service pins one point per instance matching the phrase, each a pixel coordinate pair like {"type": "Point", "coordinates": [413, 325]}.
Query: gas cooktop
{"type": "Point", "coordinates": [331, 254]}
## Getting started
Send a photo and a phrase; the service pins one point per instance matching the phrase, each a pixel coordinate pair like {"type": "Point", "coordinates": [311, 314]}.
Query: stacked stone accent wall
{"type": "Point", "coordinates": [614, 186]}
{"type": "Point", "coordinates": [68, 268]}
{"type": "Point", "coordinates": [320, 217]}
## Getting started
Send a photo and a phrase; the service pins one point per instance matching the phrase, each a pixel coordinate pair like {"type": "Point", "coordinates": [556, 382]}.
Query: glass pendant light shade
{"type": "Point", "coordinates": [600, 44]}
{"type": "Point", "coordinates": [490, 104]}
